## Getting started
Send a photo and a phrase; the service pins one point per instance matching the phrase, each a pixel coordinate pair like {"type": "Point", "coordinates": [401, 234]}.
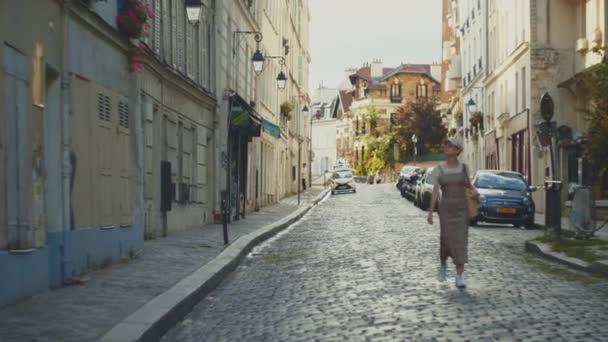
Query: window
{"type": "Point", "coordinates": [422, 90]}
{"type": "Point", "coordinates": [516, 91]}
{"type": "Point", "coordinates": [38, 76]}
{"type": "Point", "coordinates": [523, 88]}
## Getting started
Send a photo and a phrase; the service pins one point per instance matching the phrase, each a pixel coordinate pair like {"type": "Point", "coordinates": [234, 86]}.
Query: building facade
{"type": "Point", "coordinates": [523, 50]}
{"type": "Point", "coordinates": [112, 136]}
{"type": "Point", "coordinates": [379, 92]}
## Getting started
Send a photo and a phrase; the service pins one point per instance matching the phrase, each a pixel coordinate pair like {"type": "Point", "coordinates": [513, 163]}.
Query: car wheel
{"type": "Point", "coordinates": [474, 223]}
{"type": "Point", "coordinates": [517, 225]}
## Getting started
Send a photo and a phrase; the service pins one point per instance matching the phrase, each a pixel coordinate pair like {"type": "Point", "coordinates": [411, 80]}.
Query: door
{"type": "Point", "coordinates": [17, 159]}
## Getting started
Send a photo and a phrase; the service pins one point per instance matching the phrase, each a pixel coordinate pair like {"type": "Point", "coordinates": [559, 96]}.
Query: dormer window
{"type": "Point", "coordinates": [396, 91]}
{"type": "Point", "coordinates": [422, 90]}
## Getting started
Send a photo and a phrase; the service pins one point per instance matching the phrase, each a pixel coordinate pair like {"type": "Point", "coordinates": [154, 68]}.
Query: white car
{"type": "Point", "coordinates": [342, 181]}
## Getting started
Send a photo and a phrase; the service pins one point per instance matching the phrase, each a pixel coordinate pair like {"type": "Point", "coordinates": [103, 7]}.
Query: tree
{"type": "Point", "coordinates": [423, 119]}
{"type": "Point", "coordinates": [596, 84]}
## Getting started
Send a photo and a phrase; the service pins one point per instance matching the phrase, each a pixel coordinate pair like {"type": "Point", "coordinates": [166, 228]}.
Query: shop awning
{"type": "Point", "coordinates": [271, 128]}
{"type": "Point", "coordinates": [243, 117]}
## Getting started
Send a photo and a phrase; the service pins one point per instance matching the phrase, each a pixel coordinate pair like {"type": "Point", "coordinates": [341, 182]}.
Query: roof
{"type": "Point", "coordinates": [347, 100]}
{"type": "Point", "coordinates": [365, 73]}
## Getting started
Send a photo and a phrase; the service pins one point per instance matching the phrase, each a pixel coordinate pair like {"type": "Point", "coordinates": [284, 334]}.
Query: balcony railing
{"type": "Point", "coordinates": [396, 99]}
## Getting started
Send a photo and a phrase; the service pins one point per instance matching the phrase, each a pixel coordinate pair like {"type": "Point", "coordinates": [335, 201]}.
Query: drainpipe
{"type": "Point", "coordinates": [66, 167]}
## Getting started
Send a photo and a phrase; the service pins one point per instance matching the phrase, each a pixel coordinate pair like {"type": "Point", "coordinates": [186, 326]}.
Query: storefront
{"type": "Point", "coordinates": [245, 124]}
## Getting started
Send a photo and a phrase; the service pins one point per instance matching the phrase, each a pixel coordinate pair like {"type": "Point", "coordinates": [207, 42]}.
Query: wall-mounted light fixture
{"type": "Point", "coordinates": [193, 10]}
{"type": "Point", "coordinates": [281, 77]}
{"type": "Point", "coordinates": [257, 59]}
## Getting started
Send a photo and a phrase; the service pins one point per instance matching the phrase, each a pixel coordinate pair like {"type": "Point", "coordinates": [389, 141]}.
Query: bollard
{"type": "Point", "coordinates": [553, 207]}
{"type": "Point", "coordinates": [225, 215]}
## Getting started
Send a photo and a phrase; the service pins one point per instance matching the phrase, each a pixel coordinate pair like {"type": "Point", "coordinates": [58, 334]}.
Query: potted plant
{"type": "Point", "coordinates": [132, 18]}
{"type": "Point", "coordinates": [459, 118]}
{"type": "Point", "coordinates": [286, 108]}
{"type": "Point", "coordinates": [476, 120]}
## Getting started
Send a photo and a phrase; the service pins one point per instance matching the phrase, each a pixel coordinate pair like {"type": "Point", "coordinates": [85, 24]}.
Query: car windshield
{"type": "Point", "coordinates": [502, 181]}
{"type": "Point", "coordinates": [407, 169]}
{"type": "Point", "coordinates": [343, 174]}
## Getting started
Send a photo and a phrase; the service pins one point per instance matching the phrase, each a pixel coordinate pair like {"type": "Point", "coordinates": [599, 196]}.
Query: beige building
{"type": "Point", "coordinates": [267, 160]}
{"type": "Point", "coordinates": [525, 49]}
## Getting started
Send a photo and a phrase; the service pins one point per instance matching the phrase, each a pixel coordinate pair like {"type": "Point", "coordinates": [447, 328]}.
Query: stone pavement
{"type": "Point", "coordinates": [364, 267]}
{"type": "Point", "coordinates": [86, 312]}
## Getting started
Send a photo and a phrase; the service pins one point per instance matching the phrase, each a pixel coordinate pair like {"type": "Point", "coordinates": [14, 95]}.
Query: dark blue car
{"type": "Point", "coordinates": [504, 197]}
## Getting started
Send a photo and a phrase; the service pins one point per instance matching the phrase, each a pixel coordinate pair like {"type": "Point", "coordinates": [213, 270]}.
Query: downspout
{"type": "Point", "coordinates": [66, 166]}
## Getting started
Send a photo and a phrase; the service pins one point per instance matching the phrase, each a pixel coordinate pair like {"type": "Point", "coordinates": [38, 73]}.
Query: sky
{"type": "Point", "coordinates": [347, 33]}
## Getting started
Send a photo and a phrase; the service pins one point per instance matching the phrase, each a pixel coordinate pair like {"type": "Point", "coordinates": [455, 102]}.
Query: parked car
{"type": "Point", "coordinates": [408, 188]}
{"type": "Point", "coordinates": [406, 172]}
{"type": "Point", "coordinates": [424, 190]}
{"type": "Point", "coordinates": [360, 179]}
{"type": "Point", "coordinates": [504, 197]}
{"type": "Point", "coordinates": [342, 181]}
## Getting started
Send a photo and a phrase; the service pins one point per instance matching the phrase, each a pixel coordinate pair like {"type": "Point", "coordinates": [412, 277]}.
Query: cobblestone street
{"type": "Point", "coordinates": [365, 267]}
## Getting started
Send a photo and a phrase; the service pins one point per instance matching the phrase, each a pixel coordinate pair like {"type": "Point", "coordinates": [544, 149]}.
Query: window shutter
{"type": "Point", "coordinates": [167, 32]}
{"type": "Point", "coordinates": [174, 40]}
{"type": "Point", "coordinates": [157, 28]}
{"type": "Point", "coordinates": [123, 114]}
{"type": "Point", "coordinates": [191, 72]}
{"type": "Point", "coordinates": [202, 41]}
{"type": "Point", "coordinates": [122, 193]}
{"type": "Point", "coordinates": [181, 41]}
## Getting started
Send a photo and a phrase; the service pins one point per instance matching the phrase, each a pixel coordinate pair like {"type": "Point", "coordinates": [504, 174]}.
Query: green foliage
{"type": "Point", "coordinates": [596, 83]}
{"type": "Point", "coordinates": [423, 119]}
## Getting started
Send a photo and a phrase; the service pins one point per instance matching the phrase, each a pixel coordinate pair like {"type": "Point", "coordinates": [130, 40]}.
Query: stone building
{"type": "Point", "coordinates": [382, 91]}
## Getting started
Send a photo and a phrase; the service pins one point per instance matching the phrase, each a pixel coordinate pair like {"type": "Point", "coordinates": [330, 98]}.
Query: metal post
{"type": "Point", "coordinates": [225, 208]}
{"type": "Point", "coordinates": [299, 168]}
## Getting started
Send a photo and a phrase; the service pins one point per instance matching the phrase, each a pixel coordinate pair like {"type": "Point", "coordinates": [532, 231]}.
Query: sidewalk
{"type": "Point", "coordinates": [545, 250]}
{"type": "Point", "coordinates": [87, 312]}
{"type": "Point", "coordinates": [539, 219]}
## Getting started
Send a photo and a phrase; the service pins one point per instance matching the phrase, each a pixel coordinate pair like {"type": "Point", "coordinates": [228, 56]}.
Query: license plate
{"type": "Point", "coordinates": [506, 210]}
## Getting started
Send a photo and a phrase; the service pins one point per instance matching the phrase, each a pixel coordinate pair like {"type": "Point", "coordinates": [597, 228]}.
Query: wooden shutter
{"type": "Point", "coordinates": [190, 53]}
{"type": "Point", "coordinates": [180, 15]}
{"type": "Point", "coordinates": [122, 198]}
{"type": "Point", "coordinates": [203, 42]}
{"type": "Point", "coordinates": [173, 31]}
{"type": "Point", "coordinates": [158, 13]}
{"type": "Point", "coordinates": [166, 28]}
{"type": "Point", "coordinates": [85, 101]}
{"type": "Point", "coordinates": [104, 138]}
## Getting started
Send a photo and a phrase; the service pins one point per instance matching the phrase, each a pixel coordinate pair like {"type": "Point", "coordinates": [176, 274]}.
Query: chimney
{"type": "Point", "coordinates": [376, 68]}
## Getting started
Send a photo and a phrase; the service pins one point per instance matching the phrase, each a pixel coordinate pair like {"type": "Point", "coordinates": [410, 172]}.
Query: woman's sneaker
{"type": "Point", "coordinates": [460, 282]}
{"type": "Point", "coordinates": [442, 275]}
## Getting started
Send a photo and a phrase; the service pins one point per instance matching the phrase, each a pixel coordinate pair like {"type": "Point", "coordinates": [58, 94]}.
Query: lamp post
{"type": "Point", "coordinates": [415, 141]}
{"type": "Point", "coordinates": [553, 187]}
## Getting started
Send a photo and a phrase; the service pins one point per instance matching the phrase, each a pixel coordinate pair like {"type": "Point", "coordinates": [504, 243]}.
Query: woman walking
{"type": "Point", "coordinates": [452, 178]}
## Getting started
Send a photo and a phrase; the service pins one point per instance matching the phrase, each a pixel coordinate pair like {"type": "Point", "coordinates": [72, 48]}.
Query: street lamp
{"type": "Point", "coordinates": [415, 141]}
{"type": "Point", "coordinates": [258, 61]}
{"type": "Point", "coordinates": [281, 77]}
{"type": "Point", "coordinates": [281, 80]}
{"type": "Point", "coordinates": [193, 10]}
{"type": "Point", "coordinates": [471, 105]}
{"type": "Point", "coordinates": [257, 58]}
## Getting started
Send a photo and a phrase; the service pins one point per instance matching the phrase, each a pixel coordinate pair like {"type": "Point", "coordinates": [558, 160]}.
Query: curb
{"type": "Point", "coordinates": [544, 250]}
{"type": "Point", "coordinates": [157, 316]}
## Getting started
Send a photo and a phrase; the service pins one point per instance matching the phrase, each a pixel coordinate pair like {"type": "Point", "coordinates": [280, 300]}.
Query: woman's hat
{"type": "Point", "coordinates": [455, 142]}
